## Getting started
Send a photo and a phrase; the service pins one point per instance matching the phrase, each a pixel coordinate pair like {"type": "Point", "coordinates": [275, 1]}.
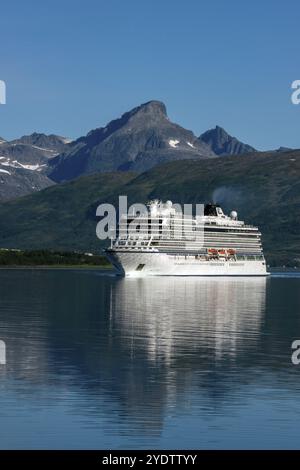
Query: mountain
{"type": "Point", "coordinates": [283, 149]}
{"type": "Point", "coordinates": [224, 144]}
{"type": "Point", "coordinates": [48, 143]}
{"type": "Point", "coordinates": [17, 182]}
{"type": "Point", "coordinates": [24, 163]}
{"type": "Point", "coordinates": [18, 155]}
{"type": "Point", "coordinates": [263, 187]}
{"type": "Point", "coordinates": [22, 169]}
{"type": "Point", "coordinates": [139, 140]}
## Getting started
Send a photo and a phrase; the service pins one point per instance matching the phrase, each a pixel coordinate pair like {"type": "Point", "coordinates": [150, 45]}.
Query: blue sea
{"type": "Point", "coordinates": [94, 361]}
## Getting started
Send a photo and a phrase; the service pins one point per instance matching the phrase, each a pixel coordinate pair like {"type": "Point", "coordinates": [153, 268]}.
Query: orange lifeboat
{"type": "Point", "coordinates": [231, 251]}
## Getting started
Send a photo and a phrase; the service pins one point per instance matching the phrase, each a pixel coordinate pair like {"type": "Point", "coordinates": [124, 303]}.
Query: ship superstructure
{"type": "Point", "coordinates": [165, 241]}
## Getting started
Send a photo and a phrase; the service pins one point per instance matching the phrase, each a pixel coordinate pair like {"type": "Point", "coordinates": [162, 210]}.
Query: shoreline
{"type": "Point", "coordinates": [80, 266]}
{"type": "Point", "coordinates": [99, 267]}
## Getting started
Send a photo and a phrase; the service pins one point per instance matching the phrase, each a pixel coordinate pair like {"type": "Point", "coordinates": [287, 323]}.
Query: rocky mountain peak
{"type": "Point", "coordinates": [223, 143]}
{"type": "Point", "coordinates": [151, 107]}
{"type": "Point", "coordinates": [50, 142]}
{"type": "Point", "coordinates": [140, 139]}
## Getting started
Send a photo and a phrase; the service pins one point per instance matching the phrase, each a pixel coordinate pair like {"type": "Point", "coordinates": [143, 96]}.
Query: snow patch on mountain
{"type": "Point", "coordinates": [53, 152]}
{"type": "Point", "coordinates": [16, 164]}
{"type": "Point", "coordinates": [173, 143]}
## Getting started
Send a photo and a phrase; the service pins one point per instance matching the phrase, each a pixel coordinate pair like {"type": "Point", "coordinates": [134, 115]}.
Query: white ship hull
{"type": "Point", "coordinates": [141, 263]}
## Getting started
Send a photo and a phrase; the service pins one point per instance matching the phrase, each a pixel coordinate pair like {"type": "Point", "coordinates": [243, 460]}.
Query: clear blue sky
{"type": "Point", "coordinates": [71, 66]}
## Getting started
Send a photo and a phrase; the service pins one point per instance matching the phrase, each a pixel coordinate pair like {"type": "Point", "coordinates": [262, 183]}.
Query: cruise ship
{"type": "Point", "coordinates": [166, 242]}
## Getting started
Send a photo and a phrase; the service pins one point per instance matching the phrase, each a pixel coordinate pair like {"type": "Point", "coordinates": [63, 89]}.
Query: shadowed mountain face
{"type": "Point", "coordinates": [139, 140]}
{"type": "Point", "coordinates": [224, 144]}
{"type": "Point", "coordinates": [263, 187]}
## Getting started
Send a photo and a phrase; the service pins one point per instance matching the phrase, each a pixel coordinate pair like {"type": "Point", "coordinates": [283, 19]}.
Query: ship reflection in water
{"type": "Point", "coordinates": [182, 335]}
{"type": "Point", "coordinates": [198, 318]}
{"type": "Point", "coordinates": [99, 362]}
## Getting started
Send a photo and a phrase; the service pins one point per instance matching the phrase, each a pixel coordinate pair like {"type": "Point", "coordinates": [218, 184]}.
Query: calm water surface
{"type": "Point", "coordinates": [95, 361]}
